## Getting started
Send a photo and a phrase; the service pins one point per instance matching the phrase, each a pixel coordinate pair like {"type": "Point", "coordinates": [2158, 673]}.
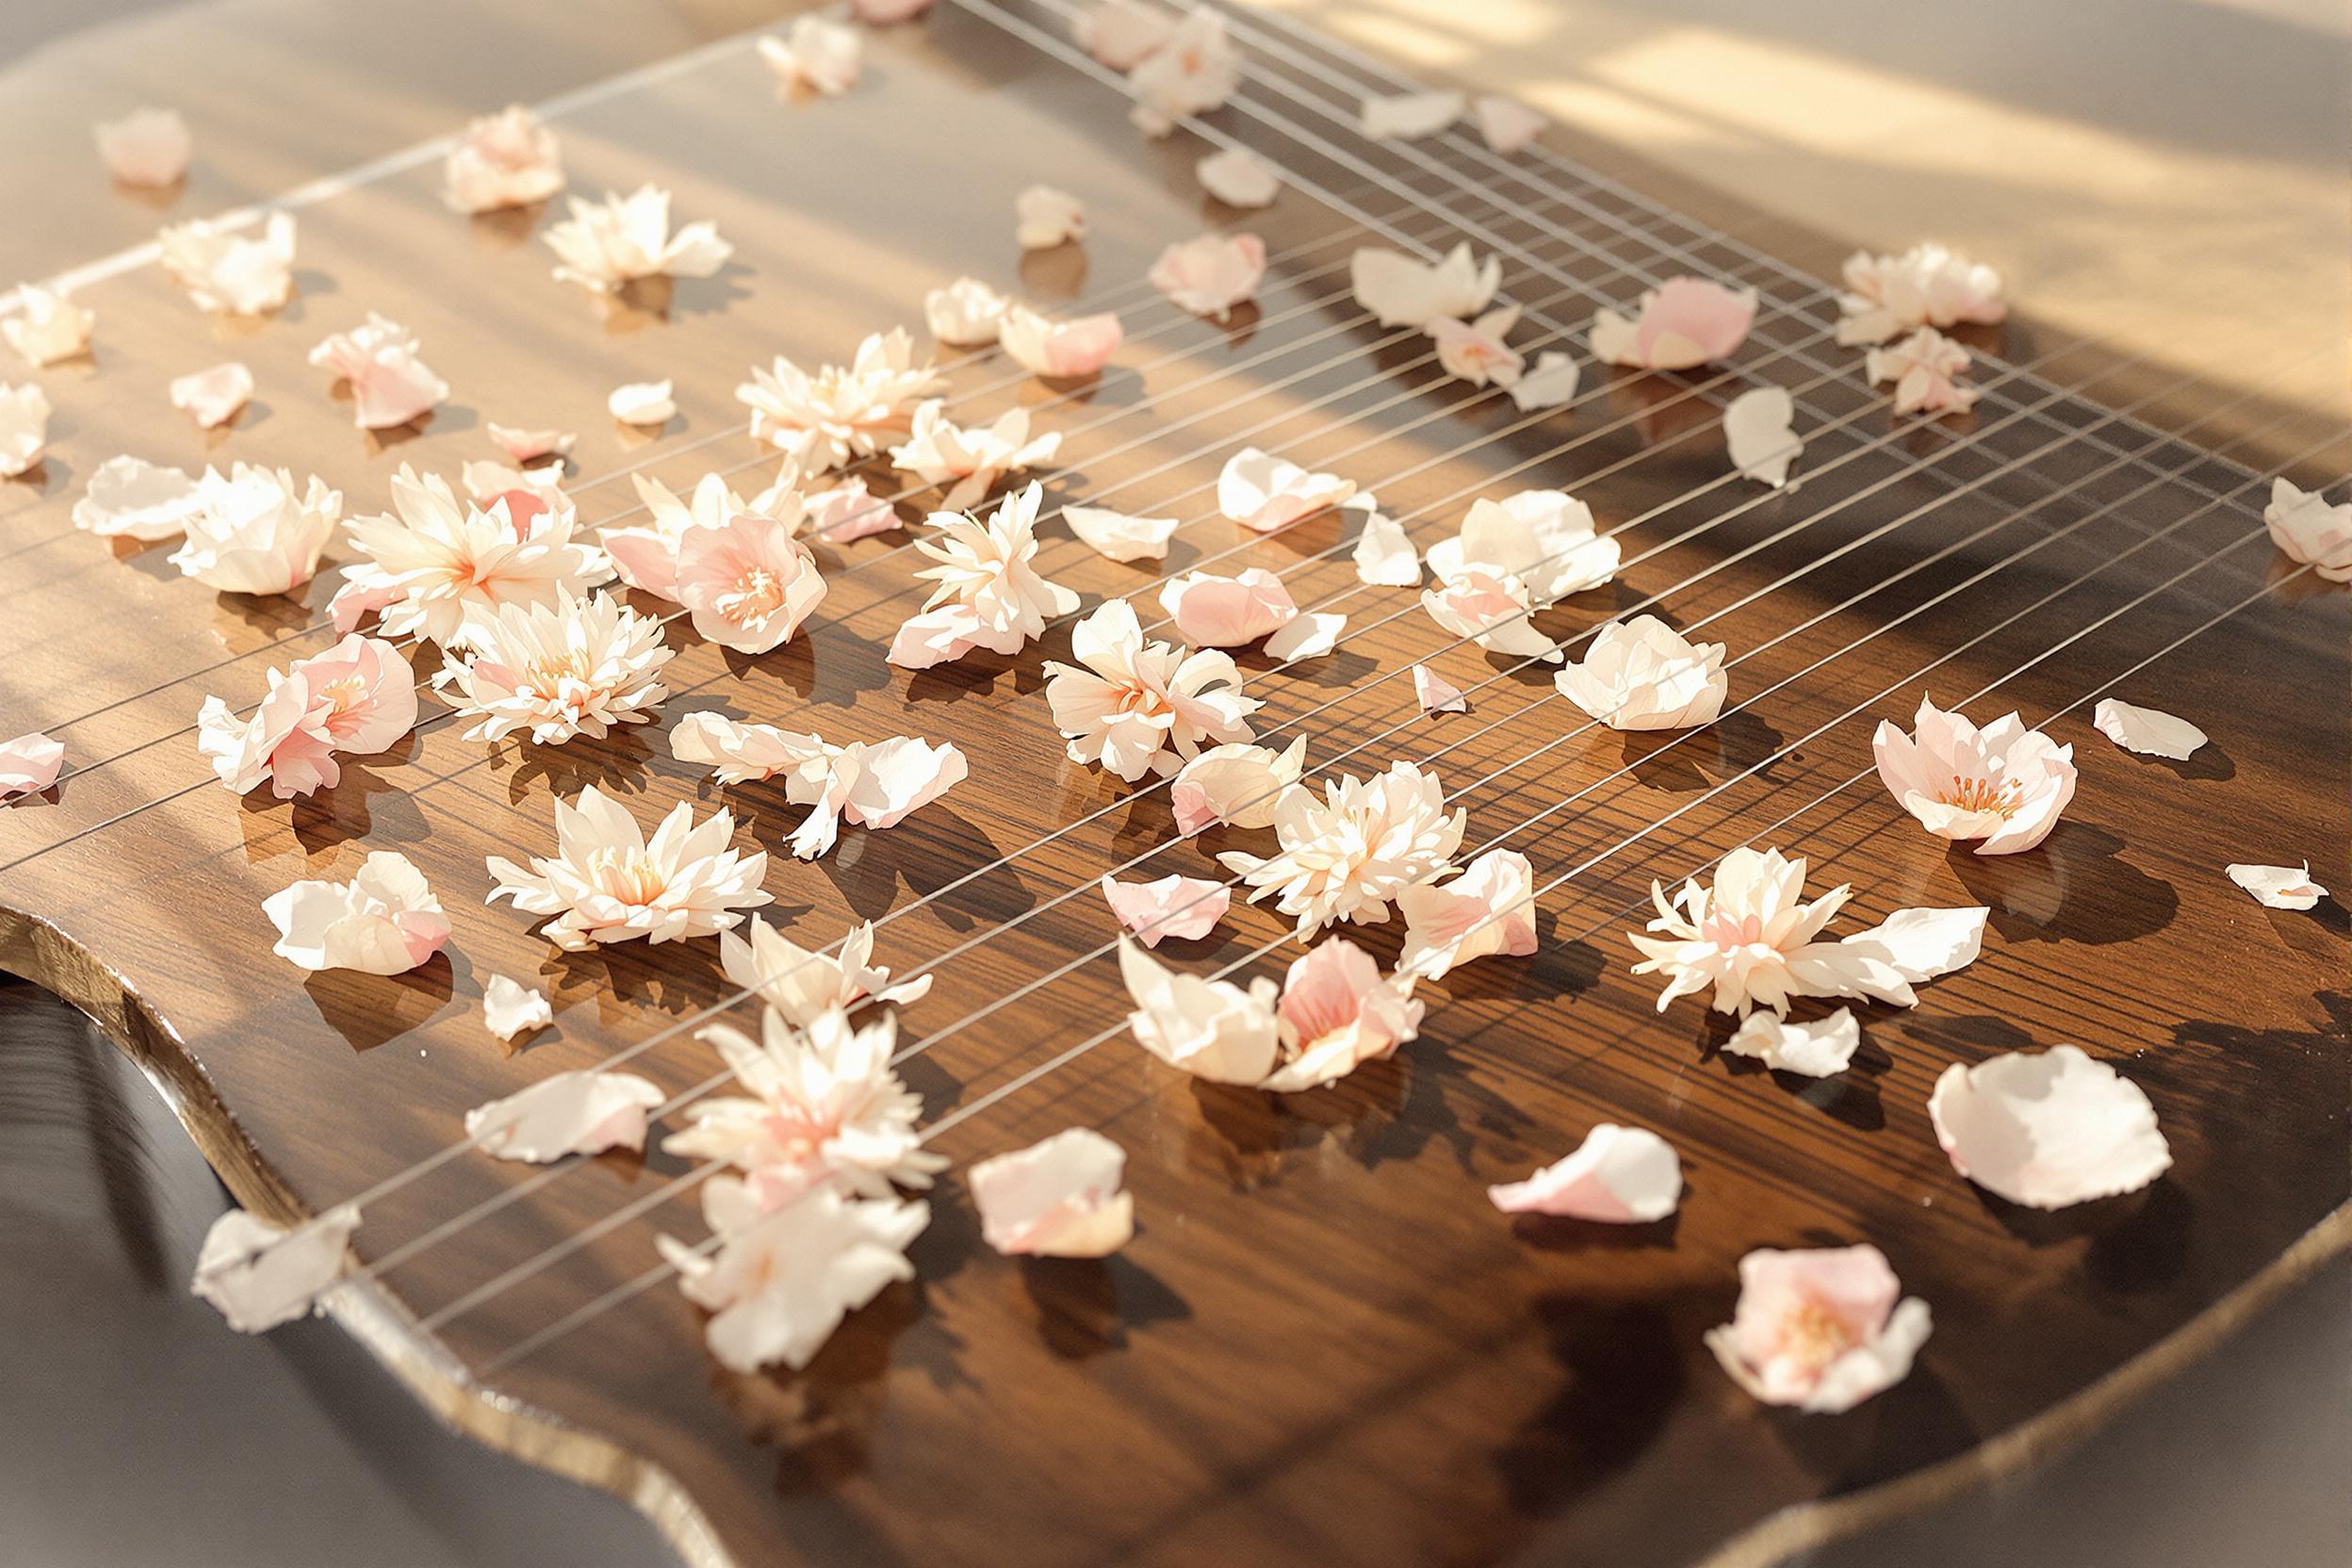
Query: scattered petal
{"type": "Point", "coordinates": [1059, 1199]}
{"type": "Point", "coordinates": [642, 402]}
{"type": "Point", "coordinates": [1474, 351]}
{"type": "Point", "coordinates": [506, 159]}
{"type": "Point", "coordinates": [1136, 705]}
{"type": "Point", "coordinates": [843, 411]}
{"type": "Point", "coordinates": [224, 272]}
{"type": "Point", "coordinates": [1550, 384]}
{"type": "Point", "coordinates": [1338, 1013]}
{"type": "Point", "coordinates": [389, 384]}
{"type": "Point", "coordinates": [1819, 1329]}
{"type": "Point", "coordinates": [606, 245]}
{"type": "Point", "coordinates": [1928, 285]}
{"type": "Point", "coordinates": [385, 920]}
{"type": "Point", "coordinates": [1211, 274]}
{"type": "Point", "coordinates": [1212, 1029]}
{"type": "Point", "coordinates": [45, 327]}
{"type": "Point", "coordinates": [1045, 217]}
{"type": "Point", "coordinates": [1488, 908]}
{"type": "Point", "coordinates": [130, 498]}
{"type": "Point", "coordinates": [1920, 944]}
{"type": "Point", "coordinates": [1491, 608]}
{"type": "Point", "coordinates": [1185, 908]}
{"type": "Point", "coordinates": [970, 461]}
{"type": "Point", "coordinates": [2048, 1128]}
{"type": "Point", "coordinates": [29, 763]}
{"type": "Point", "coordinates": [2308, 529]}
{"type": "Point", "coordinates": [255, 533]}
{"type": "Point", "coordinates": [1197, 70]}
{"type": "Point", "coordinates": [1926, 368]}
{"type": "Point", "coordinates": [146, 147]}
{"type": "Point", "coordinates": [260, 1275]}
{"type": "Point", "coordinates": [1384, 555]}
{"type": "Point", "coordinates": [1409, 116]}
{"type": "Point", "coordinates": [1760, 432]}
{"type": "Point", "coordinates": [1402, 292]}
{"type": "Point", "coordinates": [1314, 634]}
{"type": "Point", "coordinates": [1507, 124]}
{"type": "Point", "coordinates": [1347, 855]}
{"type": "Point", "coordinates": [2004, 785]}
{"type": "Point", "coordinates": [803, 986]}
{"type": "Point", "coordinates": [23, 428]}
{"type": "Point", "coordinates": [817, 53]}
{"type": "Point", "coordinates": [1240, 178]}
{"type": "Point", "coordinates": [1436, 694]}
{"type": "Point", "coordinates": [212, 397]}
{"type": "Point", "coordinates": [2277, 886]}
{"type": "Point", "coordinates": [1215, 612]}
{"type": "Point", "coordinates": [608, 883]}
{"type": "Point", "coordinates": [1683, 322]}
{"type": "Point", "coordinates": [1122, 34]}
{"type": "Point", "coordinates": [1617, 1175]}
{"type": "Point", "coordinates": [509, 1009]}
{"type": "Point", "coordinates": [1265, 492]}
{"type": "Point", "coordinates": [964, 314]}
{"type": "Point", "coordinates": [1117, 536]}
{"type": "Point", "coordinates": [1236, 785]}
{"type": "Point", "coordinates": [2147, 730]}
{"type": "Point", "coordinates": [569, 1113]}
{"type": "Point", "coordinates": [1814, 1050]}
{"type": "Point", "coordinates": [1059, 350]}
{"type": "Point", "coordinates": [1542, 539]}
{"type": "Point", "coordinates": [1752, 936]}
{"type": "Point", "coordinates": [1644, 674]}
{"type": "Point", "coordinates": [528, 446]}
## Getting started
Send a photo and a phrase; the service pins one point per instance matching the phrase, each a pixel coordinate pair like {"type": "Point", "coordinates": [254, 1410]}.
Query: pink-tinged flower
{"type": "Point", "coordinates": [44, 327]}
{"type": "Point", "coordinates": [1197, 70]}
{"type": "Point", "coordinates": [842, 411]}
{"type": "Point", "coordinates": [1683, 322]}
{"type": "Point", "coordinates": [1491, 608]}
{"type": "Point", "coordinates": [1185, 908]}
{"type": "Point", "coordinates": [260, 1275]}
{"type": "Point", "coordinates": [608, 883]}
{"type": "Point", "coordinates": [1760, 433]}
{"type": "Point", "coordinates": [1212, 1029]}
{"type": "Point", "coordinates": [510, 1008]}
{"type": "Point", "coordinates": [1139, 707]}
{"type": "Point", "coordinates": [440, 568]}
{"type": "Point", "coordinates": [1060, 349]}
{"type": "Point", "coordinates": [1044, 216]}
{"type": "Point", "coordinates": [2004, 785]}
{"type": "Point", "coordinates": [528, 446]}
{"type": "Point", "coordinates": [2148, 731]}
{"type": "Point", "coordinates": [1508, 125]}
{"type": "Point", "coordinates": [1234, 784]}
{"type": "Point", "coordinates": [816, 53]}
{"type": "Point", "coordinates": [2306, 529]}
{"type": "Point", "coordinates": [506, 159]}
{"type": "Point", "coordinates": [1261, 491]}
{"type": "Point", "coordinates": [969, 460]}
{"type": "Point", "coordinates": [1644, 674]}
{"type": "Point", "coordinates": [608, 245]}
{"type": "Point", "coordinates": [1813, 1049]}
{"type": "Point", "coordinates": [1617, 1175]}
{"type": "Point", "coordinates": [1117, 536]}
{"type": "Point", "coordinates": [821, 1109]}
{"type": "Point", "coordinates": [1474, 351]}
{"type": "Point", "coordinates": [255, 533]}
{"type": "Point", "coordinates": [1488, 908]}
{"type": "Point", "coordinates": [23, 428]}
{"type": "Point", "coordinates": [1336, 1014]}
{"type": "Point", "coordinates": [2048, 1128]}
{"type": "Point", "coordinates": [1238, 178]}
{"type": "Point", "coordinates": [2280, 886]}
{"type": "Point", "coordinates": [212, 397]}
{"type": "Point", "coordinates": [1409, 116]}
{"type": "Point", "coordinates": [1402, 292]}
{"type": "Point", "coordinates": [363, 694]}
{"type": "Point", "coordinates": [389, 384]}
{"type": "Point", "coordinates": [1544, 539]}
{"type": "Point", "coordinates": [1215, 612]}
{"type": "Point", "coordinates": [1552, 383]}
{"type": "Point", "coordinates": [551, 672]}
{"type": "Point", "coordinates": [1121, 33]}
{"type": "Point", "coordinates": [1385, 556]}
{"type": "Point", "coordinates": [987, 593]}
{"type": "Point", "coordinates": [129, 498]}
{"type": "Point", "coordinates": [1819, 1329]}
{"type": "Point", "coordinates": [1436, 694]}
{"type": "Point", "coordinates": [882, 14]}
{"type": "Point", "coordinates": [803, 986]}
{"type": "Point", "coordinates": [1347, 855]}
{"type": "Point", "coordinates": [1926, 368]}
{"type": "Point", "coordinates": [873, 785]}
{"type": "Point", "coordinates": [224, 272]}
{"type": "Point", "coordinates": [1928, 285]}
{"type": "Point", "coordinates": [964, 314]}
{"type": "Point", "coordinates": [29, 763]}
{"type": "Point", "coordinates": [782, 1279]}
{"type": "Point", "coordinates": [383, 920]}
{"type": "Point", "coordinates": [647, 557]}
{"type": "Point", "coordinates": [146, 147]}
{"type": "Point", "coordinates": [1059, 1199]}
{"type": "Point", "coordinates": [276, 744]}
{"type": "Point", "coordinates": [568, 1113]}
{"type": "Point", "coordinates": [647, 405]}
{"type": "Point", "coordinates": [1751, 937]}
{"type": "Point", "coordinates": [1211, 274]}
{"type": "Point", "coordinates": [748, 583]}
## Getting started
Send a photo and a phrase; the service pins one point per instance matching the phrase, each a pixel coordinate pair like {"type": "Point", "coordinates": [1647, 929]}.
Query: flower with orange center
{"type": "Point", "coordinates": [607, 882]}
{"type": "Point", "coordinates": [554, 671]}
{"type": "Point", "coordinates": [1141, 706]}
{"type": "Point", "coordinates": [2004, 785]}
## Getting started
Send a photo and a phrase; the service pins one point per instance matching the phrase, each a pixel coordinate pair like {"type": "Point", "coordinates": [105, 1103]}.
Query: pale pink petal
{"type": "Point", "coordinates": [45, 326]}
{"type": "Point", "coordinates": [2048, 1128]}
{"type": "Point", "coordinates": [1236, 784]}
{"type": "Point", "coordinates": [849, 511]}
{"type": "Point", "coordinates": [1617, 1175]}
{"type": "Point", "coordinates": [1212, 1029]}
{"type": "Point", "coordinates": [146, 147]}
{"type": "Point", "coordinates": [1507, 124]}
{"type": "Point", "coordinates": [1409, 116]}
{"type": "Point", "coordinates": [1402, 291]}
{"type": "Point", "coordinates": [569, 1113]}
{"type": "Point", "coordinates": [508, 159]}
{"type": "Point", "coordinates": [389, 384]}
{"type": "Point", "coordinates": [1760, 433]}
{"type": "Point", "coordinates": [1059, 1199]}
{"type": "Point", "coordinates": [642, 402]}
{"type": "Point", "coordinates": [1552, 383]}
{"type": "Point", "coordinates": [1060, 349]}
{"type": "Point", "coordinates": [132, 498]}
{"type": "Point", "coordinates": [1815, 1049]}
{"type": "Point", "coordinates": [385, 920]}
{"type": "Point", "coordinates": [897, 777]}
{"type": "Point", "coordinates": [1684, 322]}
{"type": "Point", "coordinates": [1436, 694]}
{"type": "Point", "coordinates": [1045, 217]}
{"type": "Point", "coordinates": [213, 397]}
{"type": "Point", "coordinates": [1385, 556]}
{"type": "Point", "coordinates": [1265, 492]}
{"type": "Point", "coordinates": [1122, 34]}
{"type": "Point", "coordinates": [1238, 178]}
{"type": "Point", "coordinates": [1226, 612]}
{"type": "Point", "coordinates": [1185, 908]}
{"type": "Point", "coordinates": [1314, 634]}
{"type": "Point", "coordinates": [2280, 886]}
{"type": "Point", "coordinates": [29, 763]}
{"type": "Point", "coordinates": [23, 428]}
{"type": "Point", "coordinates": [1211, 274]}
{"type": "Point", "coordinates": [1920, 944]}
{"type": "Point", "coordinates": [964, 314]}
{"type": "Point", "coordinates": [1489, 908]}
{"type": "Point", "coordinates": [2306, 528]}
{"type": "Point", "coordinates": [523, 446]}
{"type": "Point", "coordinates": [1117, 536]}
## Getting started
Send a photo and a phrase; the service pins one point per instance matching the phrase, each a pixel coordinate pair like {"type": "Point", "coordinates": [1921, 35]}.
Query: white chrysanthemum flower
{"type": "Point", "coordinates": [824, 1108]}
{"type": "Point", "coordinates": [606, 245]}
{"type": "Point", "coordinates": [843, 411]}
{"type": "Point", "coordinates": [1753, 940]}
{"type": "Point", "coordinates": [607, 882]}
{"type": "Point", "coordinates": [1347, 855]}
{"type": "Point", "coordinates": [441, 567]}
{"type": "Point", "coordinates": [803, 985]}
{"type": "Point", "coordinates": [223, 270]}
{"type": "Point", "coordinates": [553, 671]}
{"type": "Point", "coordinates": [1141, 706]}
{"type": "Point", "coordinates": [989, 593]}
{"type": "Point", "coordinates": [970, 459]}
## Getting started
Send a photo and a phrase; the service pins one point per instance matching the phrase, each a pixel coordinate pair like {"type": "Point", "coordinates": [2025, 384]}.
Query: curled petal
{"type": "Point", "coordinates": [1211, 274]}
{"type": "Point", "coordinates": [1239, 178]}
{"type": "Point", "coordinates": [213, 397]}
{"type": "Point", "coordinates": [1488, 908]}
{"type": "Point", "coordinates": [509, 1009]}
{"type": "Point", "coordinates": [2048, 1128]}
{"type": "Point", "coordinates": [1820, 1329]}
{"type": "Point", "coordinates": [2147, 730]}
{"type": "Point", "coordinates": [1215, 612]}
{"type": "Point", "coordinates": [29, 763]}
{"type": "Point", "coordinates": [146, 147]}
{"type": "Point", "coordinates": [1045, 217]}
{"type": "Point", "coordinates": [260, 1275]}
{"type": "Point", "coordinates": [1059, 1199]}
{"type": "Point", "coordinates": [1760, 432]}
{"type": "Point", "coordinates": [1117, 536]}
{"type": "Point", "coordinates": [1185, 908]}
{"type": "Point", "coordinates": [385, 920]}
{"type": "Point", "coordinates": [2280, 886]}
{"type": "Point", "coordinates": [132, 498]}
{"type": "Point", "coordinates": [1815, 1049]}
{"type": "Point", "coordinates": [1683, 322]}
{"type": "Point", "coordinates": [1617, 1175]}
{"type": "Point", "coordinates": [1060, 349]}
{"type": "Point", "coordinates": [1410, 116]}
{"type": "Point", "coordinates": [569, 1113]}
{"type": "Point", "coordinates": [642, 402]}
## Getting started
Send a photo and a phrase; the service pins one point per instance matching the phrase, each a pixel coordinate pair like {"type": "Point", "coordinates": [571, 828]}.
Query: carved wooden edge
{"type": "Point", "coordinates": [37, 950]}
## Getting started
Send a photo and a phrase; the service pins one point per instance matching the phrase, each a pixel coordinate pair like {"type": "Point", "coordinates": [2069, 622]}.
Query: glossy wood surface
{"type": "Point", "coordinates": [1324, 1345]}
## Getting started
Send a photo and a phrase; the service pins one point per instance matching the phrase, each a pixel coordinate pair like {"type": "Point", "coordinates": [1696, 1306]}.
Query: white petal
{"type": "Point", "coordinates": [1185, 908]}
{"type": "Point", "coordinates": [1924, 943]}
{"type": "Point", "coordinates": [509, 1007]}
{"type": "Point", "coordinates": [1407, 116]}
{"type": "Point", "coordinates": [1384, 555]}
{"type": "Point", "coordinates": [2147, 730]}
{"type": "Point", "coordinates": [2280, 886]}
{"type": "Point", "coordinates": [1059, 1198]}
{"type": "Point", "coordinates": [1551, 383]}
{"type": "Point", "coordinates": [1760, 432]}
{"type": "Point", "coordinates": [1437, 694]}
{"type": "Point", "coordinates": [137, 500]}
{"type": "Point", "coordinates": [1619, 1175]}
{"type": "Point", "coordinates": [1816, 1049]}
{"type": "Point", "coordinates": [2046, 1129]}
{"type": "Point", "coordinates": [1045, 217]}
{"type": "Point", "coordinates": [571, 1113]}
{"type": "Point", "coordinates": [1117, 536]}
{"type": "Point", "coordinates": [1314, 634]}
{"type": "Point", "coordinates": [1239, 178]}
{"type": "Point", "coordinates": [642, 402]}
{"type": "Point", "coordinates": [1507, 124]}
{"type": "Point", "coordinates": [260, 1280]}
{"type": "Point", "coordinates": [213, 397]}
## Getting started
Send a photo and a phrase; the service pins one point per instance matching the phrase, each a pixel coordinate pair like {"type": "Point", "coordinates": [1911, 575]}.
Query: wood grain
{"type": "Point", "coordinates": [1323, 1345]}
